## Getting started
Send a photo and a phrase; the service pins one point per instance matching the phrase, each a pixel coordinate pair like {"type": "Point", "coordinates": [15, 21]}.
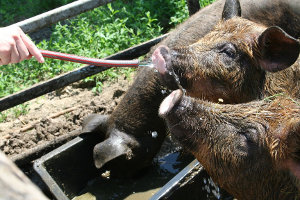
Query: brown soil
{"type": "Point", "coordinates": [58, 113]}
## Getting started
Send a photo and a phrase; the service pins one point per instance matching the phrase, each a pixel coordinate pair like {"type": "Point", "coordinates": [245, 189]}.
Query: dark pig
{"type": "Point", "coordinates": [251, 150]}
{"type": "Point", "coordinates": [134, 132]}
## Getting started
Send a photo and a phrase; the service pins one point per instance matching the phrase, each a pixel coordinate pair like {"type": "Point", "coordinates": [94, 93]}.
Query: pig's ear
{"type": "Point", "coordinates": [232, 8]}
{"type": "Point", "coordinates": [277, 49]}
{"type": "Point", "coordinates": [117, 145]}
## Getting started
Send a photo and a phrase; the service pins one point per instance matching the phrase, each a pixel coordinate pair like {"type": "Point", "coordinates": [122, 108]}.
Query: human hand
{"type": "Point", "coordinates": [15, 46]}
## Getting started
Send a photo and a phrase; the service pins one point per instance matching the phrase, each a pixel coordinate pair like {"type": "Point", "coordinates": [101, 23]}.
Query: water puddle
{"type": "Point", "coordinates": [140, 188]}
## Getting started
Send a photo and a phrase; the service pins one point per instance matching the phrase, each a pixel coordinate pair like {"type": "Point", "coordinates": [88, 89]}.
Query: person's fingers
{"type": "Point", "coordinates": [33, 50]}
{"type": "Point", "coordinates": [14, 55]}
{"type": "Point", "coordinates": [15, 46]}
{"type": "Point", "coordinates": [5, 55]}
{"type": "Point", "coordinates": [22, 49]}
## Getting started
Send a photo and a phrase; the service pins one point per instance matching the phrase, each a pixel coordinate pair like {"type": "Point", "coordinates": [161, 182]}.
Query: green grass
{"type": "Point", "coordinates": [97, 33]}
{"type": "Point", "coordinates": [17, 10]}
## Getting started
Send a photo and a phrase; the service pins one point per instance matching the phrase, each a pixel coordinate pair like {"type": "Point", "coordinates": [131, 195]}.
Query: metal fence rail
{"type": "Point", "coordinates": [53, 16]}
{"type": "Point", "coordinates": [73, 76]}
{"type": "Point", "coordinates": [59, 14]}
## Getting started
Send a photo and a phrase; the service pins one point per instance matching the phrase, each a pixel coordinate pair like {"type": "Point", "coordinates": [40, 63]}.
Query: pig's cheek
{"type": "Point", "coordinates": [183, 136]}
{"type": "Point", "coordinates": [198, 88]}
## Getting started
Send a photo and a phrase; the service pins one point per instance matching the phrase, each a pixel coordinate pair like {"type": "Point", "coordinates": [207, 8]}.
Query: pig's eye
{"type": "Point", "coordinates": [228, 49]}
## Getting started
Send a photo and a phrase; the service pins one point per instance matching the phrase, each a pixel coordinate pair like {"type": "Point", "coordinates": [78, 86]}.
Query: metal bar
{"type": "Point", "coordinates": [179, 180]}
{"type": "Point", "coordinates": [58, 14]}
{"type": "Point", "coordinates": [73, 76]}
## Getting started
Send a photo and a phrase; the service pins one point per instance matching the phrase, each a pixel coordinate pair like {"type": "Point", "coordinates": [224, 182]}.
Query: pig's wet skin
{"type": "Point", "coordinates": [250, 149]}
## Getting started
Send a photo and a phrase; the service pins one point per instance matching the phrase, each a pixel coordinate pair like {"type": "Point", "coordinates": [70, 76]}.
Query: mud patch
{"type": "Point", "coordinates": [58, 113]}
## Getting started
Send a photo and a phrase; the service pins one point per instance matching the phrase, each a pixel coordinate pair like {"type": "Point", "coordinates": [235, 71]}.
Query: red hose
{"type": "Point", "coordinates": [90, 61]}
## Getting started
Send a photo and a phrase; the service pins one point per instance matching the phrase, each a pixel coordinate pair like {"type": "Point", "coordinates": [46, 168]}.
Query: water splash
{"type": "Point", "coordinates": [146, 64]}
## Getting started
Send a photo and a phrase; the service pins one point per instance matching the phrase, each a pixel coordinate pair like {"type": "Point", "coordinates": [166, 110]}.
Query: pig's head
{"type": "Point", "coordinates": [230, 62]}
{"type": "Point", "coordinates": [252, 150]}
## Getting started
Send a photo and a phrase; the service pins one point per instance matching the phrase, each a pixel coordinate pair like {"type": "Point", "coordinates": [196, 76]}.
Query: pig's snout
{"type": "Point", "coordinates": [176, 110]}
{"type": "Point", "coordinates": [170, 102]}
{"type": "Point", "coordinates": [162, 61]}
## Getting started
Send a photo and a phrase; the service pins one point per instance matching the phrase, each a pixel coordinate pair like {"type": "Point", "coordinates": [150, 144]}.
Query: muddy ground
{"type": "Point", "coordinates": [58, 113]}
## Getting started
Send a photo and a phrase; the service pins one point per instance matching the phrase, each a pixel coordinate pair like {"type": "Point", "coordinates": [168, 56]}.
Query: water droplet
{"type": "Point", "coordinates": [207, 188]}
{"type": "Point", "coordinates": [106, 174]}
{"type": "Point", "coordinates": [154, 134]}
{"type": "Point", "coordinates": [164, 91]}
{"type": "Point", "coordinates": [211, 182]}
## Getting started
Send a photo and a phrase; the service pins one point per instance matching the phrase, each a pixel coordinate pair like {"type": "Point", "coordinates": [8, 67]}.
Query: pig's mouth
{"type": "Point", "coordinates": [162, 61]}
{"type": "Point", "coordinates": [174, 109]}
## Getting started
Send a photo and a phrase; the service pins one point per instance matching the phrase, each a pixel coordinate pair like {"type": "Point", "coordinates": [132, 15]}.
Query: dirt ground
{"type": "Point", "coordinates": [58, 113]}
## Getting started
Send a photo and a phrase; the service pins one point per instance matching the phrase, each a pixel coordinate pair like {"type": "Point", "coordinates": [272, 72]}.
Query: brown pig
{"type": "Point", "coordinates": [282, 13]}
{"type": "Point", "coordinates": [251, 150]}
{"type": "Point", "coordinates": [232, 63]}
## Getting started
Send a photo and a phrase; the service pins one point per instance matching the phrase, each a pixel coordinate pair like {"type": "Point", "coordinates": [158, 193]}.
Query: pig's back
{"type": "Point", "coordinates": [285, 14]}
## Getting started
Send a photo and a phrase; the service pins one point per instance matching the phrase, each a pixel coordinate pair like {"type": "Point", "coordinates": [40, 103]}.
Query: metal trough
{"type": "Point", "coordinates": [192, 183]}
{"type": "Point", "coordinates": [68, 170]}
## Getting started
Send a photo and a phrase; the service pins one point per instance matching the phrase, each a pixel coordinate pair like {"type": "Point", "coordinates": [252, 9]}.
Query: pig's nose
{"type": "Point", "coordinates": [161, 59]}
{"type": "Point", "coordinates": [170, 102]}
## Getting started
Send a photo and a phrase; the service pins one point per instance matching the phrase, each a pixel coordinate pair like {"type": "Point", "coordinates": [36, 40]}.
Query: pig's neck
{"type": "Point", "coordinates": [137, 113]}
{"type": "Point", "coordinates": [267, 183]}
{"type": "Point", "coordinates": [286, 81]}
